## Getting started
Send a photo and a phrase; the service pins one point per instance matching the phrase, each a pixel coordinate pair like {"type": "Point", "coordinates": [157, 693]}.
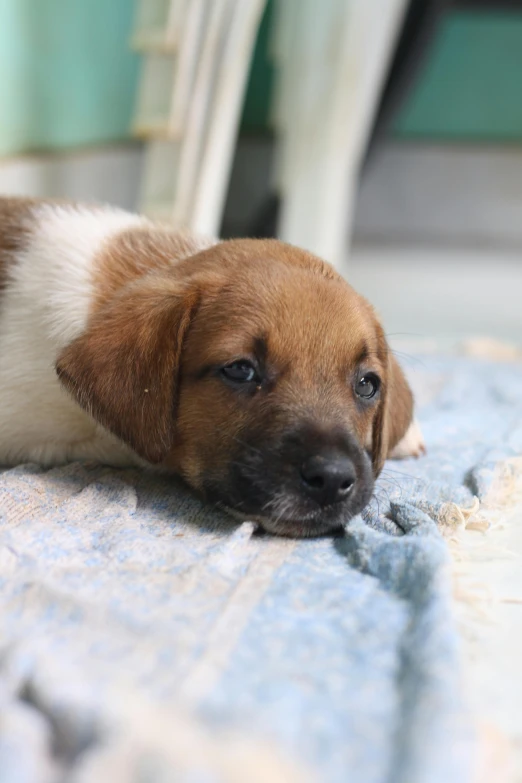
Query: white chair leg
{"type": "Point", "coordinates": [224, 117]}
{"type": "Point", "coordinates": [189, 53]}
{"type": "Point", "coordinates": [191, 148]}
{"type": "Point", "coordinates": [197, 59]}
{"type": "Point", "coordinates": [343, 52]}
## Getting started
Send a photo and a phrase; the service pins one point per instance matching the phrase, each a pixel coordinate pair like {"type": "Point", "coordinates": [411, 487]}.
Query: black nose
{"type": "Point", "coordinates": [329, 479]}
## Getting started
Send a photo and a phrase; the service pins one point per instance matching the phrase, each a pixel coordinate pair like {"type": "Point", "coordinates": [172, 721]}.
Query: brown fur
{"type": "Point", "coordinates": [395, 411]}
{"type": "Point", "coordinates": [125, 369]}
{"type": "Point", "coordinates": [136, 252]}
{"type": "Point", "coordinates": [165, 320]}
{"type": "Point", "coordinates": [309, 385]}
{"type": "Point", "coordinates": [13, 232]}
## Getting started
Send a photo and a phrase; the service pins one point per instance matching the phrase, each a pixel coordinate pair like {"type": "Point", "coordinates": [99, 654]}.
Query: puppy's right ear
{"type": "Point", "coordinates": [395, 413]}
{"type": "Point", "coordinates": [124, 369]}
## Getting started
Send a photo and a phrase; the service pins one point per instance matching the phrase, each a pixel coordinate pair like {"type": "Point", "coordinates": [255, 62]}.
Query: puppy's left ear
{"type": "Point", "coordinates": [124, 369]}
{"type": "Point", "coordinates": [394, 415]}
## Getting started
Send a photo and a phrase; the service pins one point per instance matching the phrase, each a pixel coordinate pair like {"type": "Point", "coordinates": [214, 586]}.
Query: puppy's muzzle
{"type": "Point", "coordinates": [304, 482]}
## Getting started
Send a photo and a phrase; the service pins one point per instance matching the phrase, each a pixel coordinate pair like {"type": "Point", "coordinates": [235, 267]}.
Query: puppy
{"type": "Point", "coordinates": [249, 368]}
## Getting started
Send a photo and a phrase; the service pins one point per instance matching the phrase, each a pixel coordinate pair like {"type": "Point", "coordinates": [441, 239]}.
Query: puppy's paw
{"type": "Point", "coordinates": [411, 445]}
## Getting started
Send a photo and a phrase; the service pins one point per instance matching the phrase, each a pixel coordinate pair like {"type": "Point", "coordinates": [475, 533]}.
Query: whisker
{"type": "Point", "coordinates": [374, 500]}
{"type": "Point", "coordinates": [247, 445]}
{"type": "Point", "coordinates": [414, 360]}
{"type": "Point", "coordinates": [396, 486]}
{"type": "Point", "coordinates": [386, 494]}
{"type": "Point", "coordinates": [405, 334]}
{"type": "Point", "coordinates": [405, 475]}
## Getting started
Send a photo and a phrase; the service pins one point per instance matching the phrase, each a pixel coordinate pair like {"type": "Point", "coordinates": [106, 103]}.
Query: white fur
{"type": "Point", "coordinates": [43, 309]}
{"type": "Point", "coordinates": [412, 443]}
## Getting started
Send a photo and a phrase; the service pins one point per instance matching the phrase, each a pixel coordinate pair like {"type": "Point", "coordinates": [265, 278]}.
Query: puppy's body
{"type": "Point", "coordinates": [52, 260]}
{"type": "Point", "coordinates": [47, 297]}
{"type": "Point", "coordinates": [126, 343]}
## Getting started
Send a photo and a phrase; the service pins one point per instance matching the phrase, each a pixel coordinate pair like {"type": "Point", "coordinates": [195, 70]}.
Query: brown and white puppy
{"type": "Point", "coordinates": [250, 368]}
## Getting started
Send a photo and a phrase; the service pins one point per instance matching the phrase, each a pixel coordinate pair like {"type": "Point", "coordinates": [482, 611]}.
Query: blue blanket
{"type": "Point", "coordinates": [146, 637]}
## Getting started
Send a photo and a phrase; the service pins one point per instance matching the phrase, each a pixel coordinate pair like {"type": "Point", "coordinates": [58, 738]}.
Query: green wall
{"type": "Point", "coordinates": [67, 76]}
{"type": "Point", "coordinates": [471, 84]}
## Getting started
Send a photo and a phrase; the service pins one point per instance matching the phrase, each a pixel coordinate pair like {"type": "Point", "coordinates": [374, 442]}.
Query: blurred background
{"type": "Point", "coordinates": [385, 135]}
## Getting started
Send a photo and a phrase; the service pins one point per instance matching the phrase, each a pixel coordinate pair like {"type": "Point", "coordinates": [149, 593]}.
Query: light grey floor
{"type": "Point", "coordinates": [448, 293]}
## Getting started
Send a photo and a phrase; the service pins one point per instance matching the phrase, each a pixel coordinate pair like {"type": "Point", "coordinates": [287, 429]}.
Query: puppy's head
{"type": "Point", "coordinates": [256, 373]}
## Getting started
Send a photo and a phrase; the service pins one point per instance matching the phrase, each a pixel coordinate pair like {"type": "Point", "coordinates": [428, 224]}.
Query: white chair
{"type": "Point", "coordinates": [332, 58]}
{"type": "Point", "coordinates": [197, 56]}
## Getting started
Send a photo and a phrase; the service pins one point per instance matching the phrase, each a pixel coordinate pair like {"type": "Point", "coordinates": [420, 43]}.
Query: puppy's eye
{"type": "Point", "coordinates": [367, 386]}
{"type": "Point", "coordinates": [241, 371]}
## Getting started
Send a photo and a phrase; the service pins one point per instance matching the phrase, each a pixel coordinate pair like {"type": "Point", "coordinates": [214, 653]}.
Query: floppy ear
{"type": "Point", "coordinates": [123, 370]}
{"type": "Point", "coordinates": [394, 415]}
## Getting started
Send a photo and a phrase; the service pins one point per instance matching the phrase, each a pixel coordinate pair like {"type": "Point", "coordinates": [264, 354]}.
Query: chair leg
{"type": "Point", "coordinates": [224, 116]}
{"type": "Point", "coordinates": [196, 61]}
{"type": "Point", "coordinates": [342, 54]}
